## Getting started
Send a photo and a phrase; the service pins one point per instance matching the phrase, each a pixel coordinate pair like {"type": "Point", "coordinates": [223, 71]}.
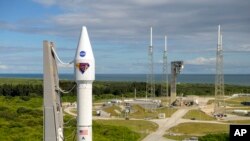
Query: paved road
{"type": "Point", "coordinates": [165, 124]}
{"type": "Point", "coordinates": [68, 111]}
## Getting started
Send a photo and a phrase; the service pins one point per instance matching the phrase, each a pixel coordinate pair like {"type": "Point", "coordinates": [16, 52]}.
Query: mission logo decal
{"type": "Point", "coordinates": [82, 67]}
{"type": "Point", "coordinates": [82, 53]}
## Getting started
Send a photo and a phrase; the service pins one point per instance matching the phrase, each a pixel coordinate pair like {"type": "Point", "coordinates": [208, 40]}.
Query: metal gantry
{"type": "Point", "coordinates": [219, 78]}
{"type": "Point", "coordinates": [53, 114]}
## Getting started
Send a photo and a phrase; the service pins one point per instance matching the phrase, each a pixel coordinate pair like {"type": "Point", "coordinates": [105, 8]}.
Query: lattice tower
{"type": "Point", "coordinates": [164, 84]}
{"type": "Point", "coordinates": [219, 78]}
{"type": "Point", "coordinates": [150, 88]}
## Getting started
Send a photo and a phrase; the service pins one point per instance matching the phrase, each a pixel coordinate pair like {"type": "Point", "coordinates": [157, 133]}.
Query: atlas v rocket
{"type": "Point", "coordinates": [84, 77]}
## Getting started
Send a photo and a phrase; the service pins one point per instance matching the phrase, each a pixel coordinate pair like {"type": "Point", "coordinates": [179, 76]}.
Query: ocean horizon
{"type": "Point", "coordinates": [234, 79]}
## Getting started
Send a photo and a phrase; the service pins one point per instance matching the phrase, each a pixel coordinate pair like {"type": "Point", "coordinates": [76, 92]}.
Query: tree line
{"type": "Point", "coordinates": [118, 89]}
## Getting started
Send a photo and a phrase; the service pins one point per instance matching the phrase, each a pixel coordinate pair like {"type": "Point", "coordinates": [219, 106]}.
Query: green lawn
{"type": "Point", "coordinates": [139, 126]}
{"type": "Point", "coordinates": [199, 128]}
{"type": "Point", "coordinates": [168, 111]}
{"type": "Point", "coordinates": [198, 115]}
{"type": "Point", "coordinates": [112, 110]}
{"type": "Point", "coordinates": [141, 113]}
{"type": "Point", "coordinates": [187, 130]}
{"type": "Point", "coordinates": [236, 101]}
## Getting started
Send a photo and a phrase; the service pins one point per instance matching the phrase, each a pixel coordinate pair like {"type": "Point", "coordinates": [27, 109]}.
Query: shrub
{"type": "Point", "coordinates": [25, 98]}
{"type": "Point", "coordinates": [215, 137]}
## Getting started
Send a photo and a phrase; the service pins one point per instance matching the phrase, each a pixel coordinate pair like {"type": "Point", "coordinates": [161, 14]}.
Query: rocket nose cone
{"type": "Point", "coordinates": [84, 59]}
{"type": "Point", "coordinates": [84, 28]}
{"type": "Point", "coordinates": [84, 49]}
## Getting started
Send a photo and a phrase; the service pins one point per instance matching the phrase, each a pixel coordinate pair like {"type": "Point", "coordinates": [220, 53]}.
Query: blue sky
{"type": "Point", "coordinates": [119, 33]}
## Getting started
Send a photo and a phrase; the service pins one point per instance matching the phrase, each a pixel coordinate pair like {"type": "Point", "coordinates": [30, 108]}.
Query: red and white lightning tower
{"type": "Point", "coordinates": [219, 78]}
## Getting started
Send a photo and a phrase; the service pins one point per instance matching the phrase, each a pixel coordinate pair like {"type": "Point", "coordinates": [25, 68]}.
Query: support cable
{"type": "Point", "coordinates": [60, 61]}
{"type": "Point", "coordinates": [69, 121]}
{"type": "Point", "coordinates": [66, 91]}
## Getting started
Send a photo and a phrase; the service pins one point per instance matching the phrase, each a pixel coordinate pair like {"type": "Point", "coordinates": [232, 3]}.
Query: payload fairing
{"type": "Point", "coordinates": [84, 77]}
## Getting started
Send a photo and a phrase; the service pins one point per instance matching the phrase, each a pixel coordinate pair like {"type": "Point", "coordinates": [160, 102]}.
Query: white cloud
{"type": "Point", "coordinates": [120, 27]}
{"type": "Point", "coordinates": [245, 47]}
{"type": "Point", "coordinates": [201, 61]}
{"type": "Point", "coordinates": [241, 48]}
{"type": "Point", "coordinates": [3, 67]}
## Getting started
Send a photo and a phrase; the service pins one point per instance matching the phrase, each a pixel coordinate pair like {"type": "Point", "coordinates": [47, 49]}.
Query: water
{"type": "Point", "coordinates": [236, 79]}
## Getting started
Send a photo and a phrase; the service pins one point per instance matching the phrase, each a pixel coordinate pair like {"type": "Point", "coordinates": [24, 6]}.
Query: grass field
{"type": "Point", "coordinates": [237, 101]}
{"type": "Point", "coordinates": [199, 129]}
{"type": "Point", "coordinates": [114, 110]}
{"type": "Point", "coordinates": [15, 81]}
{"type": "Point", "coordinates": [168, 111]}
{"type": "Point", "coordinates": [198, 115]}
{"type": "Point", "coordinates": [239, 121]}
{"type": "Point", "coordinates": [139, 126]}
{"type": "Point", "coordinates": [141, 113]}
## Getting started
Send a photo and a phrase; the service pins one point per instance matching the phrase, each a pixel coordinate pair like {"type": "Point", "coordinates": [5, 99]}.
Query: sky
{"type": "Point", "coordinates": [119, 32]}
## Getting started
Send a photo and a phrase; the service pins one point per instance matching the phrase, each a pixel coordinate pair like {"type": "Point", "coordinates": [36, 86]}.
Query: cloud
{"type": "Point", "coordinates": [3, 67]}
{"type": "Point", "coordinates": [201, 61]}
{"type": "Point", "coordinates": [133, 17]}
{"type": "Point", "coordinates": [244, 48]}
{"type": "Point", "coordinates": [120, 29]}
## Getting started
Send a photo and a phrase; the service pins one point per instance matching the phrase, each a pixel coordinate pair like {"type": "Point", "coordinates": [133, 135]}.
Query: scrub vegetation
{"type": "Point", "coordinates": [21, 113]}
{"type": "Point", "coordinates": [108, 90]}
{"type": "Point", "coordinates": [21, 119]}
{"type": "Point", "coordinates": [21, 116]}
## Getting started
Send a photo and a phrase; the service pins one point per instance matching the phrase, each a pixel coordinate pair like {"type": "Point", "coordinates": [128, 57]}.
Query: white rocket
{"type": "Point", "coordinates": [84, 77]}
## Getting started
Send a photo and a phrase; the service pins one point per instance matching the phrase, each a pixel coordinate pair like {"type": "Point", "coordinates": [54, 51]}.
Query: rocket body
{"type": "Point", "coordinates": [84, 112]}
{"type": "Point", "coordinates": [84, 77]}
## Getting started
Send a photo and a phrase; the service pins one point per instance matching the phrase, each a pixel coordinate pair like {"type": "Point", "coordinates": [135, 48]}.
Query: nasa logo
{"type": "Point", "coordinates": [82, 53]}
{"type": "Point", "coordinates": [82, 67]}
